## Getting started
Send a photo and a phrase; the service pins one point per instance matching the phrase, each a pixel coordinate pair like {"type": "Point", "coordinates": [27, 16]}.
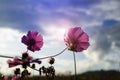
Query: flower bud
{"type": "Point", "coordinates": [51, 60]}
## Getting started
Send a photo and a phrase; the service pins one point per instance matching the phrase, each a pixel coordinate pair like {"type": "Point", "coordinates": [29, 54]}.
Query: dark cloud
{"type": "Point", "coordinates": [104, 41]}
{"type": "Point", "coordinates": [19, 14]}
{"type": "Point", "coordinates": [55, 4]}
{"type": "Point", "coordinates": [113, 34]}
{"type": "Point", "coordinates": [110, 22]}
{"type": "Point", "coordinates": [84, 3]}
{"type": "Point", "coordinates": [29, 14]}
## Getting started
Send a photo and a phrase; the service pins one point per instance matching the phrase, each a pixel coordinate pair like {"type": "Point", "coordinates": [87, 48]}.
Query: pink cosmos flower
{"type": "Point", "coordinates": [76, 39]}
{"type": "Point", "coordinates": [26, 60]}
{"type": "Point", "coordinates": [16, 61]}
{"type": "Point", "coordinates": [6, 78]}
{"type": "Point", "coordinates": [33, 40]}
{"type": "Point", "coordinates": [15, 77]}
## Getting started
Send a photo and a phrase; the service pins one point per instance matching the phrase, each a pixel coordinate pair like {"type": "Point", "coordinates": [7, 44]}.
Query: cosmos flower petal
{"type": "Point", "coordinates": [84, 38]}
{"type": "Point", "coordinates": [15, 77]}
{"type": "Point", "coordinates": [32, 34]}
{"type": "Point", "coordinates": [32, 39]}
{"type": "Point", "coordinates": [66, 38]}
{"type": "Point", "coordinates": [78, 49]}
{"type": "Point", "coordinates": [16, 61]}
{"type": "Point", "coordinates": [24, 40]}
{"type": "Point", "coordinates": [36, 47]}
{"type": "Point", "coordinates": [31, 48]}
{"type": "Point", "coordinates": [76, 39]}
{"type": "Point", "coordinates": [39, 44]}
{"type": "Point", "coordinates": [84, 45]}
{"type": "Point", "coordinates": [70, 33]}
{"type": "Point", "coordinates": [39, 38]}
{"type": "Point", "coordinates": [78, 32]}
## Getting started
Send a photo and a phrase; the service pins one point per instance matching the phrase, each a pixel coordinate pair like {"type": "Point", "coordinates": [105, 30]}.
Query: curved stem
{"type": "Point", "coordinates": [75, 65]}
{"type": "Point", "coordinates": [49, 57]}
{"type": "Point", "coordinates": [53, 55]}
{"type": "Point", "coordinates": [6, 56]}
{"type": "Point", "coordinates": [37, 58]}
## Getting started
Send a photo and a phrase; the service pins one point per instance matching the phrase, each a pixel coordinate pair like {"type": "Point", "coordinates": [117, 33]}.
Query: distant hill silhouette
{"type": "Point", "coordinates": [100, 75]}
{"type": "Point", "coordinates": [91, 75]}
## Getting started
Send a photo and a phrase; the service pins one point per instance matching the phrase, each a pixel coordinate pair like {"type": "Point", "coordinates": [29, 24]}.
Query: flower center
{"type": "Point", "coordinates": [31, 42]}
{"type": "Point", "coordinates": [71, 47]}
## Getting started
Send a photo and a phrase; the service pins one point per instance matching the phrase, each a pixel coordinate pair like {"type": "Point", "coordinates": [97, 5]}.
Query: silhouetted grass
{"type": "Point", "coordinates": [95, 75]}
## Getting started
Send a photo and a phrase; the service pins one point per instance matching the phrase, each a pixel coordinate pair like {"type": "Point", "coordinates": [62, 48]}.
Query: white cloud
{"type": "Point", "coordinates": [54, 32]}
{"type": "Point", "coordinates": [105, 10]}
{"type": "Point", "coordinates": [9, 39]}
{"type": "Point", "coordinates": [96, 14]}
{"type": "Point", "coordinates": [104, 49]}
{"type": "Point", "coordinates": [9, 46]}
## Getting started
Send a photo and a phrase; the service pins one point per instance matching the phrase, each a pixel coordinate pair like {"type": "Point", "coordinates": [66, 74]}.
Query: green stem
{"type": "Point", "coordinates": [74, 65]}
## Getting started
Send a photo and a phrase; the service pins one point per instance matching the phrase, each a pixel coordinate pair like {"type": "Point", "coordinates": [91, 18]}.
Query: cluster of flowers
{"type": "Point", "coordinates": [18, 75]}
{"type": "Point", "coordinates": [75, 39]}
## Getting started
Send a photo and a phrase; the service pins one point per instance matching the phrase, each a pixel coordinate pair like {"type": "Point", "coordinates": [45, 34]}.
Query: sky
{"type": "Point", "coordinates": [100, 19]}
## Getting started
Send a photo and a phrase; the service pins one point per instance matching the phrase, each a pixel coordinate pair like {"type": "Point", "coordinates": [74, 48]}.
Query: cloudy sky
{"type": "Point", "coordinates": [51, 18]}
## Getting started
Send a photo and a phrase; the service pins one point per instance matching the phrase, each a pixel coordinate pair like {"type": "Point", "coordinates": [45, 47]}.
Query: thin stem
{"type": "Point", "coordinates": [33, 68]}
{"type": "Point", "coordinates": [33, 74]}
{"type": "Point", "coordinates": [53, 55]}
{"type": "Point", "coordinates": [75, 65]}
{"type": "Point", "coordinates": [49, 57]}
{"type": "Point", "coordinates": [6, 56]}
{"type": "Point", "coordinates": [37, 58]}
